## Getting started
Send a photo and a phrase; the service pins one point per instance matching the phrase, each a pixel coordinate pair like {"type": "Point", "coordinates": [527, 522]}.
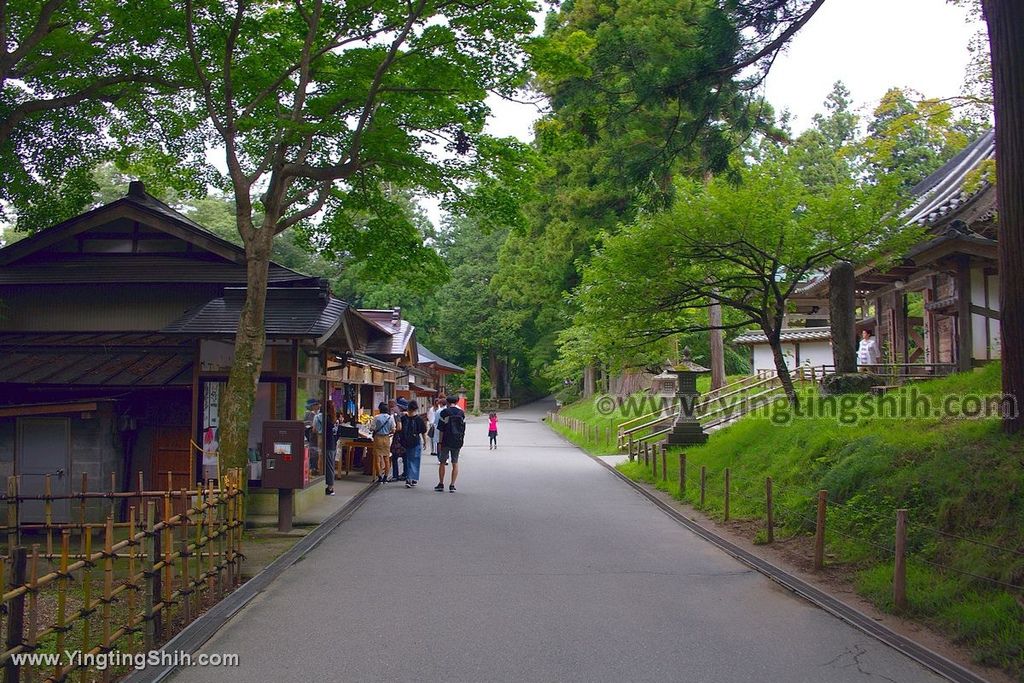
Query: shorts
{"type": "Point", "coordinates": [444, 451]}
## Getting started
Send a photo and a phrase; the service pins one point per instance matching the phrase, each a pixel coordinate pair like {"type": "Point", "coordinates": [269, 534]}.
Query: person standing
{"type": "Point", "coordinates": [492, 430]}
{"type": "Point", "coordinates": [381, 428]}
{"type": "Point", "coordinates": [324, 423]}
{"type": "Point", "coordinates": [867, 351]}
{"type": "Point", "coordinates": [414, 438]}
{"type": "Point", "coordinates": [435, 433]}
{"type": "Point", "coordinates": [452, 425]}
{"type": "Point", "coordinates": [398, 440]}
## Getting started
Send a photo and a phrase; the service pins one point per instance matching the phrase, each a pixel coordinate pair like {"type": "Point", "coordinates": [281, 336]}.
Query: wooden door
{"type": "Point", "coordinates": [172, 455]}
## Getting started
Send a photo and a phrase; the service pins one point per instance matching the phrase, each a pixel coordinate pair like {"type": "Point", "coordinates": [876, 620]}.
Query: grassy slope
{"type": "Point", "coordinates": [955, 476]}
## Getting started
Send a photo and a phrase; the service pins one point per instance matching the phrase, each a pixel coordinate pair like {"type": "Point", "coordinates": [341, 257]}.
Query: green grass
{"type": "Point", "coordinates": [957, 476]}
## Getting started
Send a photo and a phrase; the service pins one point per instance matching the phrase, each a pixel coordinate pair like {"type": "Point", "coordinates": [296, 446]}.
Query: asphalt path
{"type": "Point", "coordinates": [541, 567]}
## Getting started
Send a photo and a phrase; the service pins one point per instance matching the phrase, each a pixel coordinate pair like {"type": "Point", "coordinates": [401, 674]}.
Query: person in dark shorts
{"type": "Point", "coordinates": [452, 425]}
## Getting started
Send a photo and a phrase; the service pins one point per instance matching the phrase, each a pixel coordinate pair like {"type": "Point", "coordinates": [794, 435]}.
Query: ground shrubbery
{"type": "Point", "coordinates": [959, 479]}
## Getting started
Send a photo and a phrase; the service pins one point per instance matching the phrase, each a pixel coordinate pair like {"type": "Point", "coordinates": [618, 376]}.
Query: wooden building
{"type": "Point", "coordinates": [116, 336]}
{"type": "Point", "coordinates": [936, 308]}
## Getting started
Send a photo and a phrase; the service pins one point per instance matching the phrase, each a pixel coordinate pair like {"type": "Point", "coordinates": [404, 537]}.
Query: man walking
{"type": "Point", "coordinates": [451, 424]}
{"type": "Point", "coordinates": [382, 427]}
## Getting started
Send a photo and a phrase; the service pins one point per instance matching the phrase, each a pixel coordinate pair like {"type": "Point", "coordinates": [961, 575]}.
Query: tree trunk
{"type": "Point", "coordinates": [476, 384]}
{"type": "Point", "coordinates": [506, 376]}
{"type": "Point", "coordinates": [250, 341]}
{"type": "Point", "coordinates": [588, 381]}
{"type": "Point", "coordinates": [494, 371]}
{"type": "Point", "coordinates": [1005, 19]}
{"type": "Point", "coordinates": [842, 317]}
{"type": "Point", "coordinates": [781, 368]}
{"type": "Point", "coordinates": [717, 344]}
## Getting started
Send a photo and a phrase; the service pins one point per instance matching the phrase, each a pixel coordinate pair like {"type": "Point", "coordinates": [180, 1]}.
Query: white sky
{"type": "Point", "coordinates": [870, 45]}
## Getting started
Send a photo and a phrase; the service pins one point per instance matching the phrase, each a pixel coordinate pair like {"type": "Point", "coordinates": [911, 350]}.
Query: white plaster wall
{"type": "Point", "coordinates": [816, 353]}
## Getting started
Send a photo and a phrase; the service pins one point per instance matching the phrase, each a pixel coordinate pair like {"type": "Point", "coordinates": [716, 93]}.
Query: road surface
{"type": "Point", "coordinates": [541, 567]}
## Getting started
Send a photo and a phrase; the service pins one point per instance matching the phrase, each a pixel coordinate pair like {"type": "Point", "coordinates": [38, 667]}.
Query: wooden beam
{"type": "Point", "coordinates": [47, 409]}
{"type": "Point", "coordinates": [965, 339]}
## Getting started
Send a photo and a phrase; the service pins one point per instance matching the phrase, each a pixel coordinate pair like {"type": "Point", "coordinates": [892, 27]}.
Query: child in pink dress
{"type": "Point", "coordinates": [492, 430]}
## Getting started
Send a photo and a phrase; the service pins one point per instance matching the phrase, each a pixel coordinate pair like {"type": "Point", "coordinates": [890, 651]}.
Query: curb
{"type": "Point", "coordinates": [195, 635]}
{"type": "Point", "coordinates": [929, 659]}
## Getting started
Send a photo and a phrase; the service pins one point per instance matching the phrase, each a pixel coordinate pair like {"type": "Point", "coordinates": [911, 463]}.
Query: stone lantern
{"type": "Point", "coordinates": [665, 384]}
{"type": "Point", "coordinates": [686, 429]}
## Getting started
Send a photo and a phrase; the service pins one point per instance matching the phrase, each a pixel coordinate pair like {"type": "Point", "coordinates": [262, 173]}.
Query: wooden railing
{"type": "Point", "coordinates": [156, 572]}
{"type": "Point", "coordinates": [902, 372]}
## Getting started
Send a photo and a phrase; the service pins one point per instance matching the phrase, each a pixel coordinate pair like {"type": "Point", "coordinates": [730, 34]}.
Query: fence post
{"type": "Point", "coordinates": [682, 476]}
{"type": "Point", "coordinates": [703, 483]}
{"type": "Point", "coordinates": [12, 514]}
{"type": "Point", "coordinates": [16, 613]}
{"type": "Point", "coordinates": [654, 462]}
{"type": "Point", "coordinates": [768, 509]}
{"type": "Point", "coordinates": [899, 579]}
{"type": "Point", "coordinates": [727, 487]}
{"type": "Point", "coordinates": [153, 631]}
{"type": "Point", "coordinates": [108, 583]}
{"type": "Point", "coordinates": [819, 533]}
{"type": "Point", "coordinates": [664, 462]}
{"type": "Point", "coordinates": [62, 594]}
{"type": "Point", "coordinates": [631, 448]}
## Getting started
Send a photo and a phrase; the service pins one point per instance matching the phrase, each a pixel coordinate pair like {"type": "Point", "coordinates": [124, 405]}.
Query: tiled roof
{"type": "Point", "coordinates": [942, 194]}
{"type": "Point", "coordinates": [399, 332]}
{"type": "Point", "coordinates": [137, 359]}
{"type": "Point", "coordinates": [791, 335]}
{"type": "Point", "coordinates": [290, 312]}
{"type": "Point", "coordinates": [428, 357]}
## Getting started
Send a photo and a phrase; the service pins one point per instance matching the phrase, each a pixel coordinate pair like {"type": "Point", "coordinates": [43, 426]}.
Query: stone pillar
{"type": "Point", "coordinates": [842, 317]}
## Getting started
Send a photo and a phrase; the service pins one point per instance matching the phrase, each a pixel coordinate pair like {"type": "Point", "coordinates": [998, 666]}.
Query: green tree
{"type": "Point", "coordinates": [69, 71]}
{"type": "Point", "coordinates": [747, 245]}
{"type": "Point", "coordinates": [324, 107]}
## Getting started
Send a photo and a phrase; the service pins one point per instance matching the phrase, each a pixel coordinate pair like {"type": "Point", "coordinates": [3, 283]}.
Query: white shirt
{"type": "Point", "coordinates": [867, 352]}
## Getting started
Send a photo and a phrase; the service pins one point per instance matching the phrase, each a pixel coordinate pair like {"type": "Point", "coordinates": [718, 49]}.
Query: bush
{"type": "Point", "coordinates": [851, 383]}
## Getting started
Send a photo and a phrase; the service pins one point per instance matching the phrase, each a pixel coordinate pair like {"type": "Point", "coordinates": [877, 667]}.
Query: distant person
{"type": "Point", "coordinates": [312, 409]}
{"type": "Point", "coordinates": [492, 430]}
{"type": "Point", "coordinates": [414, 438]}
{"type": "Point", "coordinates": [324, 423]}
{"type": "Point", "coordinates": [867, 351]}
{"type": "Point", "coordinates": [381, 428]}
{"type": "Point", "coordinates": [452, 425]}
{"type": "Point", "coordinates": [398, 441]}
{"type": "Point", "coordinates": [433, 431]}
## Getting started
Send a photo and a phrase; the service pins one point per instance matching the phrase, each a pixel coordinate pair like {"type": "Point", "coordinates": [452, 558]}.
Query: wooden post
{"type": "Point", "coordinates": [16, 611]}
{"type": "Point", "coordinates": [151, 629]}
{"type": "Point", "coordinates": [48, 516]}
{"type": "Point", "coordinates": [654, 462]}
{"type": "Point", "coordinates": [703, 483]}
{"type": "Point", "coordinates": [631, 448]}
{"type": "Point", "coordinates": [819, 534]}
{"type": "Point", "coordinates": [167, 545]}
{"type": "Point", "coordinates": [12, 515]}
{"type": "Point", "coordinates": [82, 529]}
{"type": "Point", "coordinates": [184, 573]}
{"type": "Point", "coordinates": [132, 598]}
{"type": "Point", "coordinates": [899, 579]}
{"type": "Point", "coordinates": [727, 487]}
{"type": "Point", "coordinates": [62, 595]}
{"type": "Point", "coordinates": [87, 603]}
{"type": "Point", "coordinates": [108, 583]}
{"type": "Point", "coordinates": [664, 462]}
{"type": "Point", "coordinates": [31, 637]}
{"type": "Point", "coordinates": [682, 475]}
{"type": "Point", "coordinates": [768, 509]}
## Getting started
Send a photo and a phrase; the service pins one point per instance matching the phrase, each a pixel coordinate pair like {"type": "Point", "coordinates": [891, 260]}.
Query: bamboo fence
{"type": "Point", "coordinates": [158, 569]}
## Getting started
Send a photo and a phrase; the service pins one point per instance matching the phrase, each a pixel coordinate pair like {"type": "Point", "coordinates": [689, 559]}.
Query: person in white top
{"type": "Point", "coordinates": [867, 351]}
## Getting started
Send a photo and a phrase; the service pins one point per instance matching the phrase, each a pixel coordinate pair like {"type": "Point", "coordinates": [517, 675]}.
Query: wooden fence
{"type": "Point", "coordinates": [156, 572]}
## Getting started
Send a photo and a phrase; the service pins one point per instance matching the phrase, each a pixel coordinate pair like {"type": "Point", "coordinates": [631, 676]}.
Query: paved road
{"type": "Point", "coordinates": [542, 567]}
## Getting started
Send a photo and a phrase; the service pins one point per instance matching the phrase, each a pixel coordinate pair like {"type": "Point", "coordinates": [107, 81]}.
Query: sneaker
{"type": "Point", "coordinates": [451, 488]}
{"type": "Point", "coordinates": [409, 484]}
{"type": "Point", "coordinates": [329, 492]}
{"type": "Point", "coordinates": [440, 487]}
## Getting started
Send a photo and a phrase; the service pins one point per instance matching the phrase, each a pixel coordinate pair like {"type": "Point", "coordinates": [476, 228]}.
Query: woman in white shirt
{"type": "Point", "coordinates": [867, 351]}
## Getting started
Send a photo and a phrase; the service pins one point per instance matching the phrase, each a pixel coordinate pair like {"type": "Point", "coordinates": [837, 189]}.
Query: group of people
{"type": "Point", "coordinates": [401, 432]}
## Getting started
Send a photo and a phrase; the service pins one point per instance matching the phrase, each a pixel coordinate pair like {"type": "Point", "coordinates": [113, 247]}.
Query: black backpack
{"type": "Point", "coordinates": [455, 431]}
{"type": "Point", "coordinates": [412, 427]}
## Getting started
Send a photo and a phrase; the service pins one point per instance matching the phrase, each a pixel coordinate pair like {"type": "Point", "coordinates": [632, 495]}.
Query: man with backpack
{"type": "Point", "coordinates": [452, 425]}
{"type": "Point", "coordinates": [413, 437]}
